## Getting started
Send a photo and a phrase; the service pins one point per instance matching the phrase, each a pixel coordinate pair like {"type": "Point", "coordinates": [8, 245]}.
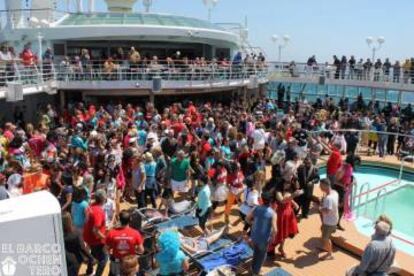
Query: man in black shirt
{"type": "Point", "coordinates": [169, 144]}
{"type": "Point", "coordinates": [308, 176]}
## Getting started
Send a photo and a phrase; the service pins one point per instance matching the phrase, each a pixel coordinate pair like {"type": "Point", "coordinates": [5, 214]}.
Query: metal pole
{"type": "Point", "coordinates": [40, 60]}
{"type": "Point", "coordinates": [373, 54]}
{"type": "Point", "coordinates": [280, 53]}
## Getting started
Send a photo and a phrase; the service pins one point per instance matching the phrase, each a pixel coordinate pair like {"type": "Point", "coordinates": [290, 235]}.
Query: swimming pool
{"type": "Point", "coordinates": [377, 192]}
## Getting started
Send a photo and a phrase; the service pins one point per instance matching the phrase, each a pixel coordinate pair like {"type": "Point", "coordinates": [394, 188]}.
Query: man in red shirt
{"type": "Point", "coordinates": [123, 241]}
{"type": "Point", "coordinates": [334, 162]}
{"type": "Point", "coordinates": [94, 233]}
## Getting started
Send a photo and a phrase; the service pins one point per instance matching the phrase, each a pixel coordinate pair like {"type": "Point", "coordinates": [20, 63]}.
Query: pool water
{"type": "Point", "coordinates": [399, 206]}
{"type": "Point", "coordinates": [387, 196]}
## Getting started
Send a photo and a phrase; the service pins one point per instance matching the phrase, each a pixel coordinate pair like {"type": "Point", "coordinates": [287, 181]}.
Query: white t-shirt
{"type": "Point", "coordinates": [259, 139]}
{"type": "Point", "coordinates": [13, 184]}
{"type": "Point", "coordinates": [251, 200]}
{"type": "Point", "coordinates": [330, 202]}
{"type": "Point", "coordinates": [109, 209]}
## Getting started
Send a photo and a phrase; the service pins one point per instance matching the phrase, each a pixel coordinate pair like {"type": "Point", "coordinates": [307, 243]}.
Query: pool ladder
{"type": "Point", "coordinates": [402, 166]}
{"type": "Point", "coordinates": [380, 194]}
{"type": "Point", "coordinates": [366, 185]}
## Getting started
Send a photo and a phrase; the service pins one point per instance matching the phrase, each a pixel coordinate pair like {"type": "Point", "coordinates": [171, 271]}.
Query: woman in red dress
{"type": "Point", "coordinates": [286, 190]}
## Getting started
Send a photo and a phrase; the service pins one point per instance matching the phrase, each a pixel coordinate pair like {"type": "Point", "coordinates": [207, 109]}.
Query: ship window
{"type": "Point", "coordinates": [59, 49]}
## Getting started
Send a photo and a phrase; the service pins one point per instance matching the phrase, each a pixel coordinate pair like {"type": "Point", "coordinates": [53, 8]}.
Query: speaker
{"type": "Point", "coordinates": [14, 92]}
{"type": "Point", "coordinates": [156, 84]}
{"type": "Point", "coordinates": [322, 80]}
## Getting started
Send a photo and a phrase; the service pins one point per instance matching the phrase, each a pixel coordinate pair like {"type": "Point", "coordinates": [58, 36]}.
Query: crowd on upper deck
{"type": "Point", "coordinates": [132, 63]}
{"type": "Point", "coordinates": [351, 68]}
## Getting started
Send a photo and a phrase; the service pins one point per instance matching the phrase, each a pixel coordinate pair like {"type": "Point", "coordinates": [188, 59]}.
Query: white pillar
{"type": "Point", "coordinates": [91, 6]}
{"type": "Point", "coordinates": [79, 6]}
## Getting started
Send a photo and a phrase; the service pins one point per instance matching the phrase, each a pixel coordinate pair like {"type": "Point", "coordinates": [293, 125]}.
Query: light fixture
{"type": "Point", "coordinates": [280, 43]}
{"type": "Point", "coordinates": [147, 4]}
{"type": "Point", "coordinates": [210, 4]}
{"type": "Point", "coordinates": [374, 46]}
{"type": "Point", "coordinates": [381, 39]}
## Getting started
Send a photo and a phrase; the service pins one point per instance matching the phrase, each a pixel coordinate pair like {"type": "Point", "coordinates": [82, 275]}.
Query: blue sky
{"type": "Point", "coordinates": [320, 27]}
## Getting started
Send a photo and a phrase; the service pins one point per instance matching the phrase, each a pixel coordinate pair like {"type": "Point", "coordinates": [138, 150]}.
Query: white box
{"type": "Point", "coordinates": [31, 236]}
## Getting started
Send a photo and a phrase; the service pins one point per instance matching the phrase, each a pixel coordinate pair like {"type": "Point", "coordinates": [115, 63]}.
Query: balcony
{"type": "Point", "coordinates": [398, 79]}
{"type": "Point", "coordinates": [120, 75]}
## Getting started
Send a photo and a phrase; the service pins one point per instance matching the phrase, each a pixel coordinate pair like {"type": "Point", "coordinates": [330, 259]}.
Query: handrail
{"type": "Point", "coordinates": [402, 166]}
{"type": "Point", "coordinates": [361, 131]}
{"type": "Point", "coordinates": [16, 71]}
{"type": "Point", "coordinates": [368, 185]}
{"type": "Point", "coordinates": [382, 191]}
{"type": "Point", "coordinates": [329, 71]}
{"type": "Point", "coordinates": [353, 193]}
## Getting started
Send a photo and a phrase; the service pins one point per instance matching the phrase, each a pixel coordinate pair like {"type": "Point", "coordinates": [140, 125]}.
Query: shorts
{"type": "Point", "coordinates": [179, 186]}
{"type": "Point", "coordinates": [332, 179]}
{"type": "Point", "coordinates": [327, 231]}
{"type": "Point", "coordinates": [341, 192]}
{"type": "Point", "coordinates": [115, 268]}
{"type": "Point", "coordinates": [202, 220]}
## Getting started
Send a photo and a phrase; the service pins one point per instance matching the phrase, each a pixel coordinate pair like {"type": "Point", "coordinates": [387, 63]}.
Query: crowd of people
{"type": "Point", "coordinates": [351, 68]}
{"type": "Point", "coordinates": [94, 158]}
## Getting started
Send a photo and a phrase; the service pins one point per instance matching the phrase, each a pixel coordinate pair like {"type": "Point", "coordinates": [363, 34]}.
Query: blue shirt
{"type": "Point", "coordinates": [203, 199]}
{"type": "Point", "coordinates": [150, 174]}
{"type": "Point", "coordinates": [226, 151]}
{"type": "Point", "coordinates": [78, 213]}
{"type": "Point", "coordinates": [137, 175]}
{"type": "Point", "coordinates": [78, 142]}
{"type": "Point", "coordinates": [142, 137]}
{"type": "Point", "coordinates": [262, 225]}
{"type": "Point", "coordinates": [174, 266]}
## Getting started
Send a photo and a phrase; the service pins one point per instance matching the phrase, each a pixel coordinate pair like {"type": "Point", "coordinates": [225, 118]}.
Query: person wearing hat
{"type": "Point", "coordinates": [3, 191]}
{"type": "Point", "coordinates": [379, 254]}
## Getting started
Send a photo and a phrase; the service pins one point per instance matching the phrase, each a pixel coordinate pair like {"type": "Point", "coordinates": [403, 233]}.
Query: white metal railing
{"type": "Point", "coordinates": [175, 70]}
{"type": "Point", "coordinates": [380, 196]}
{"type": "Point", "coordinates": [329, 71]}
{"type": "Point", "coordinates": [16, 71]}
{"type": "Point", "coordinates": [167, 70]}
{"type": "Point", "coordinates": [360, 194]}
{"type": "Point", "coordinates": [403, 159]}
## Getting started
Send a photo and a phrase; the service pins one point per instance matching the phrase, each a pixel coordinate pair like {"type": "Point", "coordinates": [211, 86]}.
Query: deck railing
{"type": "Point", "coordinates": [331, 72]}
{"type": "Point", "coordinates": [97, 70]}
{"type": "Point", "coordinates": [17, 71]}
